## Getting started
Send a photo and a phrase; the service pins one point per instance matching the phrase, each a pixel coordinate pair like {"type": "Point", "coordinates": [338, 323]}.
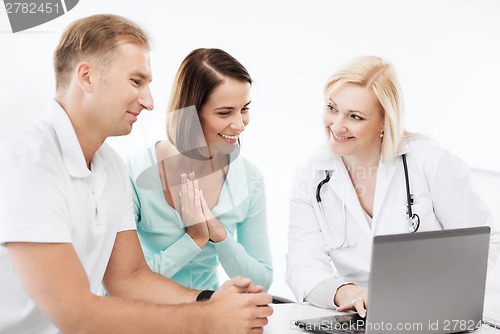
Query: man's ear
{"type": "Point", "coordinates": [84, 73]}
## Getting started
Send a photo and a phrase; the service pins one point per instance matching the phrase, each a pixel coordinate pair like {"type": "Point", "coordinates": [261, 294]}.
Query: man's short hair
{"type": "Point", "coordinates": [95, 37]}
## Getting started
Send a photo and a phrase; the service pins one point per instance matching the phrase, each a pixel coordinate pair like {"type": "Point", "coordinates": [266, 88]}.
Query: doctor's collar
{"type": "Point", "coordinates": [325, 159]}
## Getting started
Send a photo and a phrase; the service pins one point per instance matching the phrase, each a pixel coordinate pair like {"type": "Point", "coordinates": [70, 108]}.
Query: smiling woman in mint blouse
{"type": "Point", "coordinates": [199, 203]}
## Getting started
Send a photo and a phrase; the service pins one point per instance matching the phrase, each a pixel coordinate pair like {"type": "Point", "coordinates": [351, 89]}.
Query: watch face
{"type": "Point", "coordinates": [204, 295]}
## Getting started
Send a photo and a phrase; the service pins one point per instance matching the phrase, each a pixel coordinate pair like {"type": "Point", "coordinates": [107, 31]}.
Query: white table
{"type": "Point", "coordinates": [282, 320]}
{"type": "Point", "coordinates": [284, 315]}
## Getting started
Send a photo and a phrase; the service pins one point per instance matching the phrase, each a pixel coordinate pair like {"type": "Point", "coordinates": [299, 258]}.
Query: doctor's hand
{"type": "Point", "coordinates": [217, 232]}
{"type": "Point", "coordinates": [352, 297]}
{"type": "Point", "coordinates": [191, 210]}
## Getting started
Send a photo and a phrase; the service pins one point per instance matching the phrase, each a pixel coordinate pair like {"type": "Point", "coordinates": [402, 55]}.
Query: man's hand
{"type": "Point", "coordinates": [240, 307]}
{"type": "Point", "coordinates": [244, 285]}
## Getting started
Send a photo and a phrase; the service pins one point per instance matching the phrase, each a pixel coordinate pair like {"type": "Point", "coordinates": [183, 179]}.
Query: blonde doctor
{"type": "Point", "coordinates": [355, 187]}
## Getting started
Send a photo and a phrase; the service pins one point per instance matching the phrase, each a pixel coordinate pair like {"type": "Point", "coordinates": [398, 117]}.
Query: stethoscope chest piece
{"type": "Point", "coordinates": [414, 223]}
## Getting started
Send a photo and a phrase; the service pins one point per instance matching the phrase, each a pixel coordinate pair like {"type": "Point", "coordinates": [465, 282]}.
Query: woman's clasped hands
{"type": "Point", "coordinates": [201, 224]}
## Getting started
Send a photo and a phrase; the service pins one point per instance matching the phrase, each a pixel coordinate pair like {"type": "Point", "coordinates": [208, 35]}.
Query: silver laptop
{"type": "Point", "coordinates": [426, 282]}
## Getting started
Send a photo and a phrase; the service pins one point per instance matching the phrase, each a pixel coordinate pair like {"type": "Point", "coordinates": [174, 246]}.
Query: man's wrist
{"type": "Point", "coordinates": [204, 295]}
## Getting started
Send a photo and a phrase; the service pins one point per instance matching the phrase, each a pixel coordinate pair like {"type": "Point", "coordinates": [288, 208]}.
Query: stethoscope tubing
{"type": "Point", "coordinates": [409, 198]}
{"type": "Point", "coordinates": [413, 219]}
{"type": "Point", "coordinates": [335, 245]}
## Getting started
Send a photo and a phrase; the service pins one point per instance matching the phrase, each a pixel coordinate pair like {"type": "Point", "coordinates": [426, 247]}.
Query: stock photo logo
{"type": "Point", "coordinates": [28, 14]}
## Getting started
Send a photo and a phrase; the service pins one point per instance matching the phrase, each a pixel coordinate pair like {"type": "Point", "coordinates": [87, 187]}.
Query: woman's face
{"type": "Point", "coordinates": [353, 120]}
{"type": "Point", "coordinates": [225, 115]}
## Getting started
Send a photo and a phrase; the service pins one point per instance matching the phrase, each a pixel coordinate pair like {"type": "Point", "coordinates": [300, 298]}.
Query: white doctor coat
{"type": "Point", "coordinates": [443, 198]}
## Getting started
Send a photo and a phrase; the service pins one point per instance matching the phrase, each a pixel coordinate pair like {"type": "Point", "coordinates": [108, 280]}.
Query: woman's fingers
{"type": "Point", "coordinates": [183, 193]}
{"type": "Point", "coordinates": [204, 206]}
{"type": "Point", "coordinates": [217, 232]}
{"type": "Point", "coordinates": [191, 206]}
{"type": "Point", "coordinates": [357, 304]}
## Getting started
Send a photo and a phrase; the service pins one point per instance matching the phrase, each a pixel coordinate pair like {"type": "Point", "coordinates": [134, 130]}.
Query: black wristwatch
{"type": "Point", "coordinates": [204, 295]}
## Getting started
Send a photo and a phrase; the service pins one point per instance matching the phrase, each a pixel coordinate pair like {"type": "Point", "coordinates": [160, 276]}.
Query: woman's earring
{"type": "Point", "coordinates": [381, 134]}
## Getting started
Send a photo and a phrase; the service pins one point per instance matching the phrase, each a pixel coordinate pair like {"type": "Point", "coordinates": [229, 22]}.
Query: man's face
{"type": "Point", "coordinates": [120, 91]}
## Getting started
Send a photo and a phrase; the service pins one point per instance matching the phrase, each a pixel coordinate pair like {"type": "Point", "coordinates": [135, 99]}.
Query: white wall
{"type": "Point", "coordinates": [446, 53]}
{"type": "Point", "coordinates": [488, 186]}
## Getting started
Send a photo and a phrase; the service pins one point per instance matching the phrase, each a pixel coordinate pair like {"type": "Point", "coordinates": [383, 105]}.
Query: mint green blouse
{"type": "Point", "coordinates": [170, 251]}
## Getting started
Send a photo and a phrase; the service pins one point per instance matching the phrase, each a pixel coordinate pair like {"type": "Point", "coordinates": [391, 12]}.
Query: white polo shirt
{"type": "Point", "coordinates": [47, 194]}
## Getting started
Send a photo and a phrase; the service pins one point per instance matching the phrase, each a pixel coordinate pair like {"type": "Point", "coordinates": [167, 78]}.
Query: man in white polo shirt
{"type": "Point", "coordinates": [66, 218]}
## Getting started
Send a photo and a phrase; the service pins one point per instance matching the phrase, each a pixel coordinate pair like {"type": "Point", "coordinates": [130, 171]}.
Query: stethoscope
{"type": "Point", "coordinates": [413, 218]}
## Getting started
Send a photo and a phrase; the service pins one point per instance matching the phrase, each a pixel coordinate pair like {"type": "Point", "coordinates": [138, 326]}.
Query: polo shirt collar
{"type": "Point", "coordinates": [71, 150]}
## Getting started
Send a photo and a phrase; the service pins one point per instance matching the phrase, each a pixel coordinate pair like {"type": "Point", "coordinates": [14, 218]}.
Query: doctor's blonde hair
{"type": "Point", "coordinates": [380, 77]}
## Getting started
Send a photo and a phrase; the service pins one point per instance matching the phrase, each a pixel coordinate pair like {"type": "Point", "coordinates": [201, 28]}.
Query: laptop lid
{"type": "Point", "coordinates": [429, 281]}
{"type": "Point", "coordinates": [426, 282]}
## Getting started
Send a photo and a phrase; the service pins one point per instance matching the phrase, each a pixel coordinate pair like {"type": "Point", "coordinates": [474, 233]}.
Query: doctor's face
{"type": "Point", "coordinates": [353, 120]}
